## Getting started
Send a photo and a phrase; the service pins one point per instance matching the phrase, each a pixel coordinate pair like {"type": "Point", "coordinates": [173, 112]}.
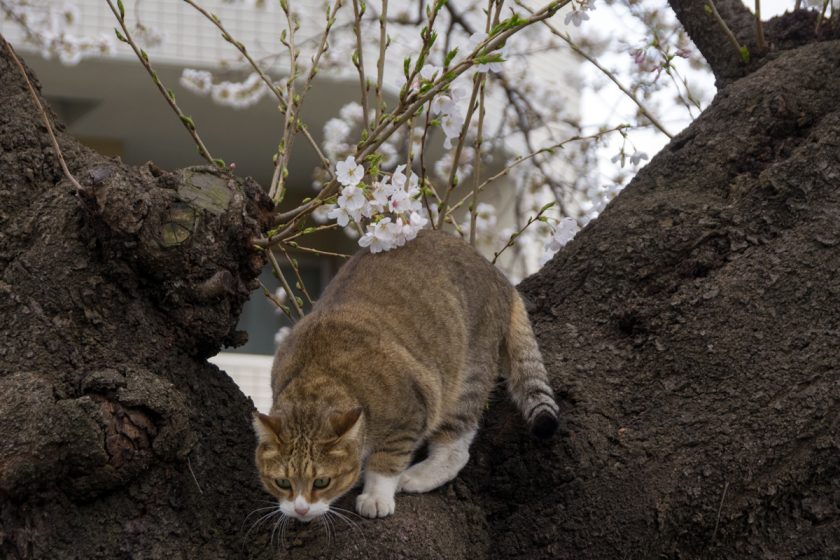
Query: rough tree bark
{"type": "Point", "coordinates": [691, 331]}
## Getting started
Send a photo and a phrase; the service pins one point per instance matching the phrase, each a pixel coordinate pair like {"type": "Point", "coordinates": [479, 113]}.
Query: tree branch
{"type": "Point", "coordinates": [712, 40]}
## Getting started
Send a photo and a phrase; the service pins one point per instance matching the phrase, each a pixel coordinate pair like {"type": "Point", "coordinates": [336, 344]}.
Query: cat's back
{"type": "Point", "coordinates": [434, 265]}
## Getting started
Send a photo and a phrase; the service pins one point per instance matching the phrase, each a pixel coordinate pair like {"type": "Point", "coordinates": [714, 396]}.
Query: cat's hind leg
{"type": "Point", "coordinates": [448, 454]}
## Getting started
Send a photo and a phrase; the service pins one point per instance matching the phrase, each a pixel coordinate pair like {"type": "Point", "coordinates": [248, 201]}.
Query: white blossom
{"type": "Point", "coordinates": [443, 104]}
{"type": "Point", "coordinates": [564, 232]}
{"type": "Point", "coordinates": [339, 214]}
{"type": "Point", "coordinates": [485, 217]}
{"type": "Point", "coordinates": [281, 335]}
{"type": "Point", "coordinates": [415, 224]}
{"type": "Point", "coordinates": [348, 172]}
{"type": "Point", "coordinates": [149, 37]}
{"type": "Point", "coordinates": [352, 112]}
{"type": "Point", "coordinates": [451, 125]}
{"type": "Point", "coordinates": [197, 81]}
{"type": "Point", "coordinates": [381, 192]}
{"type": "Point", "coordinates": [336, 130]}
{"type": "Point", "coordinates": [352, 199]}
{"type": "Point", "coordinates": [239, 95]}
{"type": "Point", "coordinates": [321, 213]}
{"type": "Point", "coordinates": [379, 236]}
{"type": "Point", "coordinates": [428, 71]}
{"type": "Point", "coordinates": [576, 17]}
{"type": "Point", "coordinates": [458, 92]}
{"type": "Point", "coordinates": [638, 157]}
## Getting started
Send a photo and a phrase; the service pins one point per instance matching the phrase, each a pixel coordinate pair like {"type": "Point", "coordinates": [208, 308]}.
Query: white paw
{"type": "Point", "coordinates": [421, 478]}
{"type": "Point", "coordinates": [375, 505]}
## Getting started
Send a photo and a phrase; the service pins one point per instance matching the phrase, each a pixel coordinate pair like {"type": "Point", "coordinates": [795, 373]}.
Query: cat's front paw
{"type": "Point", "coordinates": [375, 505]}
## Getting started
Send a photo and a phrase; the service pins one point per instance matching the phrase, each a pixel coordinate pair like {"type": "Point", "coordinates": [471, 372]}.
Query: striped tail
{"type": "Point", "coordinates": [527, 379]}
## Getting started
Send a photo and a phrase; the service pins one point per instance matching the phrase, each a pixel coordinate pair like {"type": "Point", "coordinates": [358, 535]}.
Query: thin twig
{"type": "Point", "coordinates": [477, 164]}
{"type": "Point", "coordinates": [759, 28]}
{"type": "Point", "coordinates": [720, 508]}
{"type": "Point", "coordinates": [359, 60]}
{"type": "Point", "coordinates": [276, 301]}
{"type": "Point", "coordinates": [512, 239]}
{"type": "Point", "coordinates": [456, 158]}
{"type": "Point", "coordinates": [532, 155]}
{"type": "Point", "coordinates": [264, 75]}
{"type": "Point", "coordinates": [167, 93]}
{"type": "Point", "coordinates": [479, 130]}
{"type": "Point", "coordinates": [742, 51]}
{"type": "Point", "coordinates": [592, 60]}
{"type": "Point", "coordinates": [307, 231]}
{"type": "Point", "coordinates": [317, 251]}
{"type": "Point", "coordinates": [189, 466]}
{"type": "Point", "coordinates": [821, 16]}
{"type": "Point", "coordinates": [423, 188]}
{"type": "Point", "coordinates": [44, 116]}
{"type": "Point", "coordinates": [296, 269]}
{"type": "Point", "coordinates": [380, 64]}
{"type": "Point", "coordinates": [282, 277]}
{"type": "Point", "coordinates": [278, 180]}
{"type": "Point", "coordinates": [408, 107]}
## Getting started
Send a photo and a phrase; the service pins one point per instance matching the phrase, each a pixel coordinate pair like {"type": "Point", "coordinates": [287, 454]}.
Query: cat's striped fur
{"type": "Point", "coordinates": [403, 347]}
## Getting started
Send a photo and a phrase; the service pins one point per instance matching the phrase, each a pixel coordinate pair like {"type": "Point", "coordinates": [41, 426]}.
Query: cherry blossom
{"type": "Point", "coordinates": [348, 172]}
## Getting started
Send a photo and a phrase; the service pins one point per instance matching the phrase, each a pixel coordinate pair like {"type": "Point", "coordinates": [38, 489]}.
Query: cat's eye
{"type": "Point", "coordinates": [321, 483]}
{"type": "Point", "coordinates": [283, 483]}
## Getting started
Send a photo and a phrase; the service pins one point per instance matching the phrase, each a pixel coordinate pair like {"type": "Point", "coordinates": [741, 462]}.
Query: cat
{"type": "Point", "coordinates": [403, 347]}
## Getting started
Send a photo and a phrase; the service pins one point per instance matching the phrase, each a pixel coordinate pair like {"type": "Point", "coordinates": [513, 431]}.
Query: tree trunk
{"type": "Point", "coordinates": [691, 332]}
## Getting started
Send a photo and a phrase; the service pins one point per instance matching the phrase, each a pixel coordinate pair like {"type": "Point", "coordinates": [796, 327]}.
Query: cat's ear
{"type": "Point", "coordinates": [267, 427]}
{"type": "Point", "coordinates": [346, 425]}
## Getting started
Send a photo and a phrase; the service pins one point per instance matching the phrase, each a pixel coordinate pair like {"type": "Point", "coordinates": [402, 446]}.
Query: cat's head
{"type": "Point", "coordinates": [308, 461]}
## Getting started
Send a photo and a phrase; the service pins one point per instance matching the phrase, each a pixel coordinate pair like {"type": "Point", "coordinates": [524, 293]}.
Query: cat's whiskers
{"type": "Point", "coordinates": [263, 519]}
{"type": "Point", "coordinates": [325, 521]}
{"type": "Point", "coordinates": [347, 511]}
{"type": "Point", "coordinates": [345, 515]}
{"type": "Point", "coordinates": [280, 524]}
{"type": "Point", "coordinates": [347, 521]}
{"type": "Point", "coordinates": [256, 511]}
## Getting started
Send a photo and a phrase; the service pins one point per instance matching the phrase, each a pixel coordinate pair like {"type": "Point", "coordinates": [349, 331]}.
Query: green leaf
{"type": "Point", "coordinates": [188, 122]}
{"type": "Point", "coordinates": [745, 54]}
{"type": "Point", "coordinates": [449, 56]}
{"type": "Point", "coordinates": [513, 21]}
{"type": "Point", "coordinates": [488, 58]}
{"type": "Point", "coordinates": [120, 35]}
{"type": "Point", "coordinates": [122, 9]}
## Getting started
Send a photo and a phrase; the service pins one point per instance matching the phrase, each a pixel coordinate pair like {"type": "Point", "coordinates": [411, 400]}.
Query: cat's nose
{"type": "Point", "coordinates": [301, 509]}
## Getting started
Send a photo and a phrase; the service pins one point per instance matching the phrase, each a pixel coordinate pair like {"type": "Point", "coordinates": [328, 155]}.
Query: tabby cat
{"type": "Point", "coordinates": [403, 348]}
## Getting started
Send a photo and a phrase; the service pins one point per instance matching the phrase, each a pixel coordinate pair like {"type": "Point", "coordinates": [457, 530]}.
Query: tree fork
{"type": "Point", "coordinates": [690, 332]}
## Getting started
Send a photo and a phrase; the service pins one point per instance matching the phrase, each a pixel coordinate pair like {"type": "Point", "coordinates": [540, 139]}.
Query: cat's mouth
{"type": "Point", "coordinates": [310, 511]}
{"type": "Point", "coordinates": [305, 518]}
